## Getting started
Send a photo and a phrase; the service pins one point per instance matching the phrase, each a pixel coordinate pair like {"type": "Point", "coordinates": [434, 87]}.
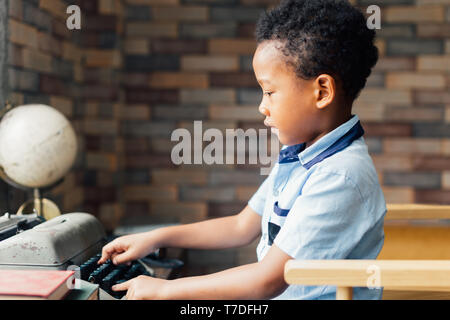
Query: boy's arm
{"type": "Point", "coordinates": [219, 233]}
{"type": "Point", "coordinates": [261, 280]}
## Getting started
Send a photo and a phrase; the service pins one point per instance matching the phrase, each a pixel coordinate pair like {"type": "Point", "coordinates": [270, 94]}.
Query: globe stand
{"type": "Point", "coordinates": [41, 206]}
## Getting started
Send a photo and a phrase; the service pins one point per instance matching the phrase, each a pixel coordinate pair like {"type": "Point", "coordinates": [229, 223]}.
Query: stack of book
{"type": "Point", "coordinates": [44, 285]}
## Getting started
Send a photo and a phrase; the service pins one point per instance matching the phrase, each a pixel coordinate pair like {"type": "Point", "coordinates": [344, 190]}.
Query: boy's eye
{"type": "Point", "coordinates": [268, 93]}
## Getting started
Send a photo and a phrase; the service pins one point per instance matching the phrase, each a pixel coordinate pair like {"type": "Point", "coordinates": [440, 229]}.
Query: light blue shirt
{"type": "Point", "coordinates": [320, 207]}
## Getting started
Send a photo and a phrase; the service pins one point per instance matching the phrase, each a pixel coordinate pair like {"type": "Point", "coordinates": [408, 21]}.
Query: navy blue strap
{"type": "Point", "coordinates": [280, 212]}
{"type": "Point", "coordinates": [354, 133]}
{"type": "Point", "coordinates": [290, 154]}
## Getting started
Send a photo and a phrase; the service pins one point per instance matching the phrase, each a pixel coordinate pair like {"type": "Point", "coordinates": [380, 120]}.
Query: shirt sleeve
{"type": "Point", "coordinates": [326, 221]}
{"type": "Point", "coordinates": [258, 200]}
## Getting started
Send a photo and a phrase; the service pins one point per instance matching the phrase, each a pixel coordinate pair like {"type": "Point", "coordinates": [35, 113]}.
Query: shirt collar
{"type": "Point", "coordinates": [298, 151]}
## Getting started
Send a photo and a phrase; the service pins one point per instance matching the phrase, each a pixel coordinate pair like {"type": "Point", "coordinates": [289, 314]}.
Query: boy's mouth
{"type": "Point", "coordinates": [273, 129]}
{"type": "Point", "coordinates": [268, 123]}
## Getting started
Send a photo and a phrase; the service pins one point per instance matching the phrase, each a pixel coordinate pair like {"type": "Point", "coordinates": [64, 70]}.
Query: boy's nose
{"type": "Point", "coordinates": [264, 110]}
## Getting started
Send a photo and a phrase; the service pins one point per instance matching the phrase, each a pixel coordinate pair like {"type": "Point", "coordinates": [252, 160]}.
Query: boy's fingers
{"type": "Point", "coordinates": [121, 286]}
{"type": "Point", "coordinates": [106, 253]}
{"type": "Point", "coordinates": [121, 257]}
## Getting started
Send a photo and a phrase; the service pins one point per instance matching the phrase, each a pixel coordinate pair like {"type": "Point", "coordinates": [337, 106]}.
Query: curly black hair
{"type": "Point", "coordinates": [322, 37]}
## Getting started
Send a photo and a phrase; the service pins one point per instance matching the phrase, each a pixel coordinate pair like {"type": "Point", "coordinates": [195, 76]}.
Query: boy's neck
{"type": "Point", "coordinates": [330, 125]}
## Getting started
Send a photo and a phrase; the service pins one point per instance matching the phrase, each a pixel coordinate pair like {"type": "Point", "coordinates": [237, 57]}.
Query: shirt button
{"type": "Point", "coordinates": [276, 193]}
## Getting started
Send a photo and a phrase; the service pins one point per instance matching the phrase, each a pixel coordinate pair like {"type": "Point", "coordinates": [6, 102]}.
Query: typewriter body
{"type": "Point", "coordinates": [67, 242]}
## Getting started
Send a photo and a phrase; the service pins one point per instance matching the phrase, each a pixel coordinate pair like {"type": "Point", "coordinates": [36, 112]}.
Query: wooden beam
{"type": "Point", "coordinates": [396, 274]}
{"type": "Point", "coordinates": [417, 211]}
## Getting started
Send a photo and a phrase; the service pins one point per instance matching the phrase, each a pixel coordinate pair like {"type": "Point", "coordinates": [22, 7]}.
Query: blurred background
{"type": "Point", "coordinates": [139, 69]}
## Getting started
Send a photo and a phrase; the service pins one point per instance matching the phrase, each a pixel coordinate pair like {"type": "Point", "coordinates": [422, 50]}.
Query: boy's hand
{"type": "Point", "coordinates": [141, 288]}
{"type": "Point", "coordinates": [127, 248]}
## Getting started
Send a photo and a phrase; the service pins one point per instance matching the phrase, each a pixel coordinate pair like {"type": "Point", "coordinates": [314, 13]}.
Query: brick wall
{"type": "Point", "coordinates": [78, 72]}
{"type": "Point", "coordinates": [139, 69]}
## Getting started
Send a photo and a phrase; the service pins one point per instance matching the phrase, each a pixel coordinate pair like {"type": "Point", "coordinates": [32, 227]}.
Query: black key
{"type": "Point", "coordinates": [98, 274]}
{"type": "Point", "coordinates": [87, 267]}
{"type": "Point", "coordinates": [111, 278]}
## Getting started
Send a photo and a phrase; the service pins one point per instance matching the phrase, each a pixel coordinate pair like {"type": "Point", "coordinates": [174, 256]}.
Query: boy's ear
{"type": "Point", "coordinates": [324, 91]}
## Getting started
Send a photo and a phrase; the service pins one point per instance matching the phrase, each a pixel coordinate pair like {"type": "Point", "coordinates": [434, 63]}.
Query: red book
{"type": "Point", "coordinates": [35, 284]}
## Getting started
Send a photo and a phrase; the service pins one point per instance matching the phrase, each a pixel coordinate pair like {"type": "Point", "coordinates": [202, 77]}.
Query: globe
{"type": "Point", "coordinates": [37, 145]}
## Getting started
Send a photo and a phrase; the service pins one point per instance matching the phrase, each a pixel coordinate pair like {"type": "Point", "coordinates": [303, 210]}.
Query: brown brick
{"type": "Point", "coordinates": [181, 46]}
{"type": "Point", "coordinates": [63, 104]}
{"type": "Point", "coordinates": [15, 55]}
{"type": "Point", "coordinates": [387, 129]}
{"type": "Point", "coordinates": [135, 112]}
{"type": "Point", "coordinates": [433, 30]}
{"type": "Point", "coordinates": [446, 179]}
{"type": "Point", "coordinates": [246, 30]}
{"type": "Point", "coordinates": [137, 46]}
{"type": "Point", "coordinates": [417, 114]}
{"type": "Point", "coordinates": [380, 96]}
{"type": "Point", "coordinates": [392, 163]}
{"type": "Point", "coordinates": [56, 7]}
{"type": "Point", "coordinates": [71, 52]}
{"type": "Point", "coordinates": [169, 80]}
{"type": "Point", "coordinates": [220, 112]}
{"type": "Point", "coordinates": [182, 13]}
{"type": "Point", "coordinates": [189, 177]}
{"type": "Point", "coordinates": [51, 85]}
{"type": "Point", "coordinates": [110, 215]}
{"type": "Point", "coordinates": [433, 63]}
{"type": "Point", "coordinates": [432, 97]}
{"type": "Point", "coordinates": [103, 58]}
{"type": "Point", "coordinates": [138, 80]}
{"type": "Point", "coordinates": [409, 80]}
{"type": "Point", "coordinates": [155, 193]}
{"type": "Point", "coordinates": [209, 63]}
{"type": "Point", "coordinates": [110, 7]}
{"type": "Point", "coordinates": [75, 199]}
{"type": "Point", "coordinates": [152, 29]}
{"type": "Point", "coordinates": [431, 163]}
{"type": "Point", "coordinates": [207, 96]}
{"type": "Point", "coordinates": [16, 9]}
{"type": "Point", "coordinates": [368, 111]}
{"type": "Point", "coordinates": [214, 194]}
{"type": "Point", "coordinates": [153, 2]}
{"type": "Point", "coordinates": [184, 212]}
{"type": "Point", "coordinates": [59, 29]}
{"type": "Point", "coordinates": [100, 126]}
{"type": "Point", "coordinates": [232, 46]}
{"type": "Point", "coordinates": [395, 64]}
{"type": "Point", "coordinates": [148, 161]}
{"type": "Point", "coordinates": [244, 193]}
{"type": "Point", "coordinates": [414, 14]}
{"type": "Point", "coordinates": [432, 196]}
{"type": "Point", "coordinates": [20, 33]}
{"type": "Point", "coordinates": [162, 145]}
{"type": "Point", "coordinates": [100, 92]}
{"type": "Point", "coordinates": [398, 194]}
{"type": "Point", "coordinates": [225, 209]}
{"type": "Point", "coordinates": [412, 146]}
{"type": "Point", "coordinates": [150, 96]}
{"type": "Point", "coordinates": [136, 145]}
{"type": "Point", "coordinates": [16, 98]}
{"type": "Point", "coordinates": [233, 79]}
{"type": "Point", "coordinates": [101, 161]}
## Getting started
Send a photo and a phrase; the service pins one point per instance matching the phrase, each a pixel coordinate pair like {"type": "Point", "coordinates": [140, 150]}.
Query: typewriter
{"type": "Point", "coordinates": [72, 241]}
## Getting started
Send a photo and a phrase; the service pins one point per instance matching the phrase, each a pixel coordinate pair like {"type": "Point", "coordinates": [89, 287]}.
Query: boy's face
{"type": "Point", "coordinates": [288, 102]}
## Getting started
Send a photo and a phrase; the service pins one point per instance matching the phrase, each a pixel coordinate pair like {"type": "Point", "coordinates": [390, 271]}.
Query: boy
{"type": "Point", "coordinates": [322, 199]}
